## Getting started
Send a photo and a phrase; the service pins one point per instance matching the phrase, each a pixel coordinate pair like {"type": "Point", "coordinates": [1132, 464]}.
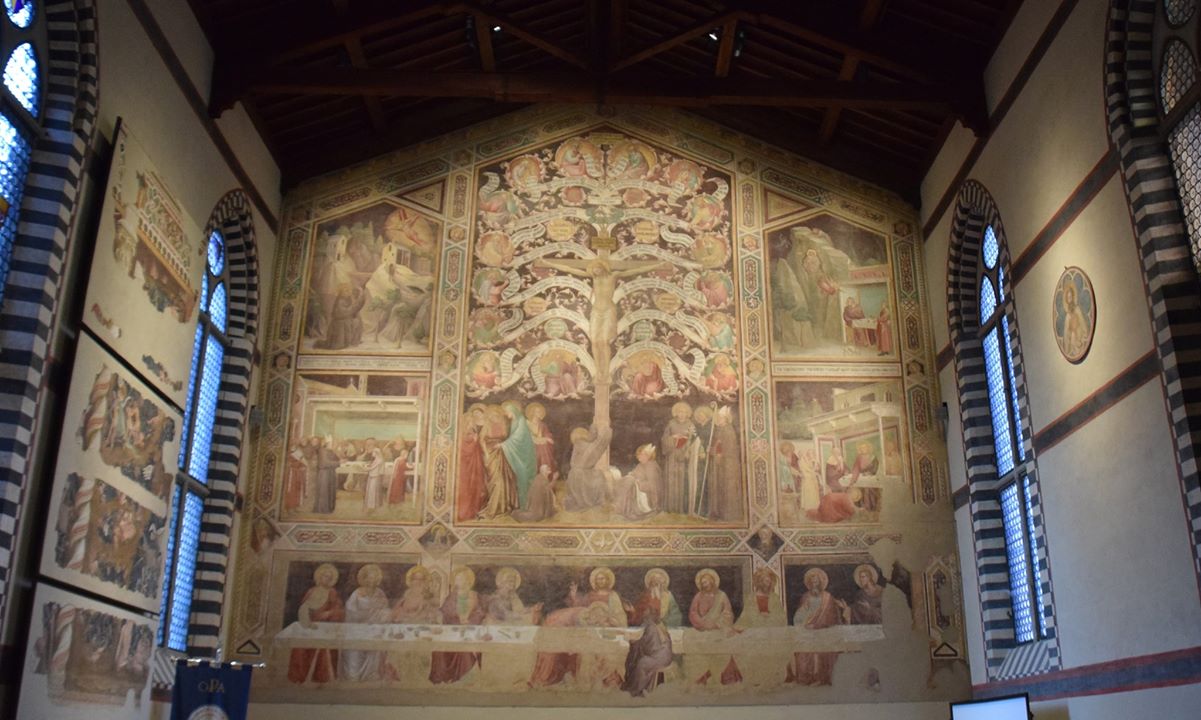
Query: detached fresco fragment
{"type": "Point", "coordinates": [109, 503]}
{"type": "Point", "coordinates": [572, 410]}
{"type": "Point", "coordinates": [146, 273]}
{"type": "Point", "coordinates": [85, 660]}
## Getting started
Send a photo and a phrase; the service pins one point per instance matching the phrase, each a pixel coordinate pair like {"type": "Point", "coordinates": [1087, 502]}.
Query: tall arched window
{"type": "Point", "coordinates": [21, 36]}
{"type": "Point", "coordinates": [1179, 102]}
{"type": "Point", "coordinates": [1014, 470]}
{"type": "Point", "coordinates": [192, 487]}
{"type": "Point", "coordinates": [1018, 619]}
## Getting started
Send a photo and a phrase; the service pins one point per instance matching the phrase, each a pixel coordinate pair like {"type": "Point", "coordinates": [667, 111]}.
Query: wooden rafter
{"type": "Point", "coordinates": [354, 50]}
{"type": "Point", "coordinates": [581, 87]}
{"type": "Point", "coordinates": [518, 30]}
{"type": "Point", "coordinates": [868, 17]}
{"type": "Point", "coordinates": [705, 26]}
{"type": "Point", "coordinates": [483, 39]}
{"type": "Point", "coordinates": [725, 49]}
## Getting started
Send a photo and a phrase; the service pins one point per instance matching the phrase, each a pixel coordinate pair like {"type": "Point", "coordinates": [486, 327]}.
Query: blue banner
{"type": "Point", "coordinates": [210, 692]}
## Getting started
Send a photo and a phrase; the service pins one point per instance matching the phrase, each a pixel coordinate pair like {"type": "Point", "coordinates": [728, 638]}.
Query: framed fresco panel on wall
{"type": "Point", "coordinates": [85, 660]}
{"type": "Point", "coordinates": [147, 271]}
{"type": "Point", "coordinates": [109, 503]}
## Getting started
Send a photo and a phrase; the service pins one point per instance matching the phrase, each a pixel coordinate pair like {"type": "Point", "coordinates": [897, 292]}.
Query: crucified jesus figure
{"type": "Point", "coordinates": [602, 320]}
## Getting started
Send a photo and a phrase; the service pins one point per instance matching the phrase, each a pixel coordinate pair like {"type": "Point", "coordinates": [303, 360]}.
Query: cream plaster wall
{"type": "Point", "coordinates": [1121, 565]}
{"type": "Point", "coordinates": [1100, 242]}
{"type": "Point", "coordinates": [1117, 536]}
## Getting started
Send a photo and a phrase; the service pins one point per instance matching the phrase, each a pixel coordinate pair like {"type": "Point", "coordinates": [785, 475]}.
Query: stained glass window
{"type": "Point", "coordinates": [1017, 499]}
{"type": "Point", "coordinates": [1177, 74]}
{"type": "Point", "coordinates": [1178, 12]}
{"type": "Point", "coordinates": [217, 307]}
{"type": "Point", "coordinates": [992, 250]}
{"type": "Point", "coordinates": [21, 77]}
{"type": "Point", "coordinates": [14, 162]}
{"type": "Point", "coordinates": [1001, 429]}
{"type": "Point", "coordinates": [200, 412]}
{"type": "Point", "coordinates": [17, 129]}
{"type": "Point", "coordinates": [1185, 146]}
{"type": "Point", "coordinates": [1028, 494]}
{"type": "Point", "coordinates": [185, 572]}
{"type": "Point", "coordinates": [1013, 388]}
{"type": "Point", "coordinates": [168, 575]}
{"type": "Point", "coordinates": [216, 253]}
{"type": "Point", "coordinates": [1019, 571]}
{"type": "Point", "coordinates": [988, 301]}
{"type": "Point", "coordinates": [1179, 110]}
{"type": "Point", "coordinates": [20, 12]}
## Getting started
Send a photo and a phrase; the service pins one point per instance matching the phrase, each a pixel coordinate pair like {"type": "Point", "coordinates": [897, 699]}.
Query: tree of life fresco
{"type": "Point", "coordinates": [601, 368]}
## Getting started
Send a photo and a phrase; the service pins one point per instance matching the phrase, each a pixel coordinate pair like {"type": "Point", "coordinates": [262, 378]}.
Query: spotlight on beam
{"type": "Point", "coordinates": [496, 28]}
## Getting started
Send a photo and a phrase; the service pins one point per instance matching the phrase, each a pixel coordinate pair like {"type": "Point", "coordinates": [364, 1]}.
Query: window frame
{"type": "Point", "coordinates": [187, 485]}
{"type": "Point", "coordinates": [1020, 475]}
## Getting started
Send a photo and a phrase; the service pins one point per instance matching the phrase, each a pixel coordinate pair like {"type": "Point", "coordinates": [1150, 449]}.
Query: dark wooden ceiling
{"type": "Point", "coordinates": [869, 87]}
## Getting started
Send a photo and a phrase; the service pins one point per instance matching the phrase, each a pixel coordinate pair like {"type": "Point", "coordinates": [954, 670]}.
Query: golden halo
{"type": "Point", "coordinates": [599, 573]}
{"type": "Point", "coordinates": [710, 572]}
{"type": "Point", "coordinates": [656, 573]}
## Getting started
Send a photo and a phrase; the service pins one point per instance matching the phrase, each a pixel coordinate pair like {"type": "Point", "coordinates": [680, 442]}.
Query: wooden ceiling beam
{"type": "Point", "coordinates": [868, 17]}
{"type": "Point", "coordinates": [701, 28]}
{"type": "Point", "coordinates": [725, 48]}
{"type": "Point", "coordinates": [584, 88]}
{"type": "Point", "coordinates": [354, 50]}
{"type": "Point", "coordinates": [483, 40]}
{"type": "Point", "coordinates": [518, 30]}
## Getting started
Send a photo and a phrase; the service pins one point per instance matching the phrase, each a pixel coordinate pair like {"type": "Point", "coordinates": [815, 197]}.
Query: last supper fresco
{"type": "Point", "coordinates": [574, 410]}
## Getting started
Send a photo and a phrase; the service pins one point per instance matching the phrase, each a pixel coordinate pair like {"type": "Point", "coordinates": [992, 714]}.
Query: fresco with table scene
{"type": "Point", "coordinates": [355, 442]}
{"type": "Point", "coordinates": [614, 476]}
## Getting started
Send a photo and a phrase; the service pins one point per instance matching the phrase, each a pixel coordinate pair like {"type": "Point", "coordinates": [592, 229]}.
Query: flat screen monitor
{"type": "Point", "coordinates": [1015, 707]}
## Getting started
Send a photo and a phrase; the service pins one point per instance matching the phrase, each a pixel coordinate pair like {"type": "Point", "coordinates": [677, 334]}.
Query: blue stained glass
{"type": "Point", "coordinates": [187, 410]}
{"type": "Point", "coordinates": [206, 409]}
{"type": "Point", "coordinates": [988, 300]}
{"type": "Point", "coordinates": [1015, 551]}
{"type": "Point", "coordinates": [992, 250]}
{"type": "Point", "coordinates": [1001, 283]}
{"type": "Point", "coordinates": [21, 77]}
{"type": "Point", "coordinates": [14, 161]}
{"type": "Point", "coordinates": [1013, 388]}
{"type": "Point", "coordinates": [20, 12]}
{"type": "Point", "coordinates": [185, 573]}
{"type": "Point", "coordinates": [217, 306]}
{"type": "Point", "coordinates": [996, 402]}
{"type": "Point", "coordinates": [1028, 492]}
{"type": "Point", "coordinates": [167, 575]}
{"type": "Point", "coordinates": [216, 253]}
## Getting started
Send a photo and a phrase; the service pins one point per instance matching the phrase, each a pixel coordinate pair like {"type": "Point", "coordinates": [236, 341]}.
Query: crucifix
{"type": "Point", "coordinates": [602, 320]}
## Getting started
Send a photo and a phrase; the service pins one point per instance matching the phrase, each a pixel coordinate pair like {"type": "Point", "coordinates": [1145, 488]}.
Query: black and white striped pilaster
{"type": "Point", "coordinates": [1170, 274]}
{"type": "Point", "coordinates": [34, 281]}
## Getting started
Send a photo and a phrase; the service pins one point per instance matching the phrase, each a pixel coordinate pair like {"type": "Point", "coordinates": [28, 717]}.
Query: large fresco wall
{"type": "Point", "coordinates": [580, 409]}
